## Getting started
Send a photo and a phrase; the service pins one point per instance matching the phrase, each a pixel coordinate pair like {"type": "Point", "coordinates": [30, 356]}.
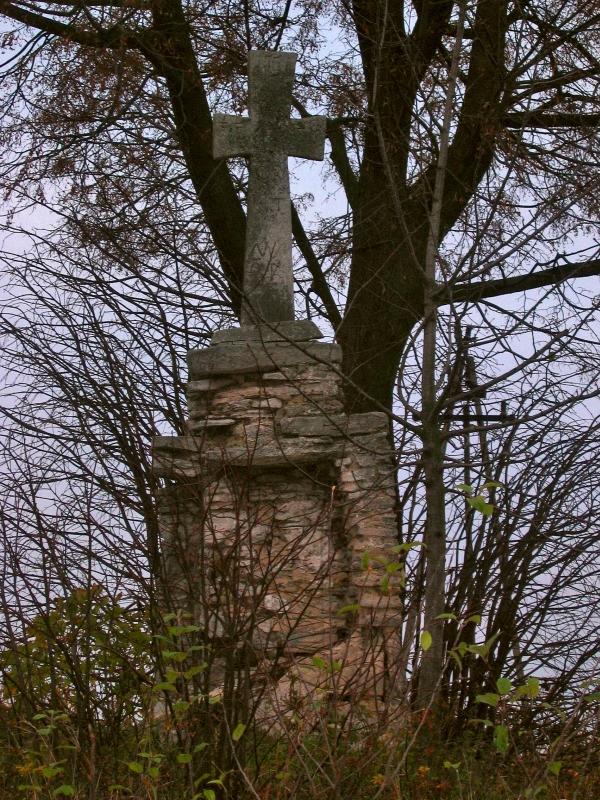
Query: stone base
{"type": "Point", "coordinates": [279, 523]}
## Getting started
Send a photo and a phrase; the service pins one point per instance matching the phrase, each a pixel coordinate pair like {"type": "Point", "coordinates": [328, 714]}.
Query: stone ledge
{"type": "Point", "coordinates": [241, 357]}
{"type": "Point", "coordinates": [191, 456]}
{"type": "Point", "coordinates": [300, 330]}
{"type": "Point", "coordinates": [210, 424]}
{"type": "Point", "coordinates": [334, 424]}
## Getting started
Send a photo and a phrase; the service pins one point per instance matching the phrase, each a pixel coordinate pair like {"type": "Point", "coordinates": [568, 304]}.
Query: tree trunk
{"type": "Point", "coordinates": [385, 294]}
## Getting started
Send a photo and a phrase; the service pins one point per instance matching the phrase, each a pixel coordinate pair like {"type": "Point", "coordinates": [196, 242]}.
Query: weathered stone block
{"type": "Point", "coordinates": [273, 377]}
{"type": "Point", "coordinates": [242, 357]}
{"type": "Point", "coordinates": [333, 424]}
{"type": "Point", "coordinates": [300, 330]}
{"type": "Point", "coordinates": [190, 456]}
{"type": "Point", "coordinates": [307, 405]}
{"type": "Point", "coordinates": [211, 424]}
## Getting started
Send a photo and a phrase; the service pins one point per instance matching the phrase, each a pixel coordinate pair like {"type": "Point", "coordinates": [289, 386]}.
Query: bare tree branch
{"type": "Point", "coordinates": [474, 292]}
{"type": "Point", "coordinates": [341, 162]}
{"type": "Point", "coordinates": [114, 37]}
{"type": "Point", "coordinates": [546, 121]}
{"type": "Point", "coordinates": [312, 262]}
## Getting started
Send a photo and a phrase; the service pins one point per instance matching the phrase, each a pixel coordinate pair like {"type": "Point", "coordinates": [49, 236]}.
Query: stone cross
{"type": "Point", "coordinates": [268, 137]}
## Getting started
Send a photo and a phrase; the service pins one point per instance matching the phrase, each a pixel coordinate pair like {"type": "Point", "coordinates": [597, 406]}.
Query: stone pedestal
{"type": "Point", "coordinates": [278, 519]}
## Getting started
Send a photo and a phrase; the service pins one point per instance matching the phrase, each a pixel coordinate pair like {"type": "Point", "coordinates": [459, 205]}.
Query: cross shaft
{"type": "Point", "coordinates": [268, 137]}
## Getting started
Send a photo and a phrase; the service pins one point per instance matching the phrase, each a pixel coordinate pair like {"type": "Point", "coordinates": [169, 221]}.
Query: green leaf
{"type": "Point", "coordinates": [532, 687]}
{"type": "Point", "coordinates": [446, 615]}
{"type": "Point", "coordinates": [555, 767]}
{"type": "Point", "coordinates": [209, 794]}
{"type": "Point", "coordinates": [489, 699]}
{"type": "Point", "coordinates": [154, 772]}
{"type": "Point", "coordinates": [406, 546]}
{"type": "Point", "coordinates": [352, 608]}
{"type": "Point", "coordinates": [136, 767]}
{"type": "Point", "coordinates": [474, 618]}
{"type": "Point", "coordinates": [477, 649]}
{"type": "Point", "coordinates": [465, 487]}
{"type": "Point", "coordinates": [591, 698]}
{"type": "Point", "coordinates": [165, 687]}
{"type": "Point", "coordinates": [238, 731]}
{"type": "Point", "coordinates": [365, 560]}
{"type": "Point", "coordinates": [462, 648]}
{"type": "Point", "coordinates": [384, 584]}
{"type": "Point", "coordinates": [426, 640]}
{"type": "Point", "coordinates": [450, 765]}
{"type": "Point", "coordinates": [45, 731]}
{"type": "Point", "coordinates": [181, 706]}
{"type": "Point", "coordinates": [483, 649]}
{"type": "Point", "coordinates": [200, 747]}
{"type": "Point", "coordinates": [480, 504]}
{"type": "Point", "coordinates": [492, 485]}
{"type": "Point", "coordinates": [174, 655]}
{"type": "Point", "coordinates": [319, 662]}
{"type": "Point", "coordinates": [501, 738]}
{"type": "Point", "coordinates": [66, 790]}
{"type": "Point", "coordinates": [195, 670]}
{"type": "Point", "coordinates": [51, 772]}
{"type": "Point", "coordinates": [184, 758]}
{"type": "Point", "coordinates": [504, 686]}
{"type": "Point", "coordinates": [180, 630]}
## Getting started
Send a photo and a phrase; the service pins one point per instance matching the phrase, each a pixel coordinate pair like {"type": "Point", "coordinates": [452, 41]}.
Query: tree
{"type": "Point", "coordinates": [461, 134]}
{"type": "Point", "coordinates": [526, 102]}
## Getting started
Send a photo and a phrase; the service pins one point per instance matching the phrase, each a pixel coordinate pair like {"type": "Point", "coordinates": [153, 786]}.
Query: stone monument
{"type": "Point", "coordinates": [278, 516]}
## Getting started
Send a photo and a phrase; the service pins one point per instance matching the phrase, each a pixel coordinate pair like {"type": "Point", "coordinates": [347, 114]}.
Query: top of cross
{"type": "Point", "coordinates": [268, 137]}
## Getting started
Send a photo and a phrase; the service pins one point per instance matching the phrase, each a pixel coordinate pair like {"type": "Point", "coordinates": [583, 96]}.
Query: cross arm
{"type": "Point", "coordinates": [307, 138]}
{"type": "Point", "coordinates": [232, 136]}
